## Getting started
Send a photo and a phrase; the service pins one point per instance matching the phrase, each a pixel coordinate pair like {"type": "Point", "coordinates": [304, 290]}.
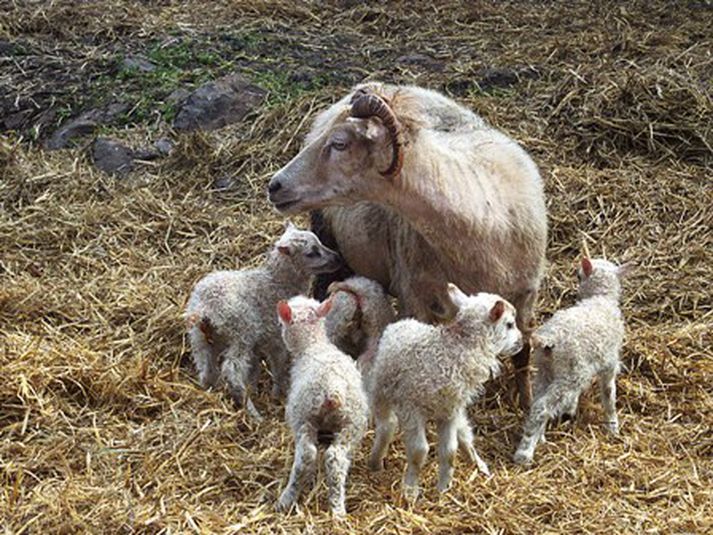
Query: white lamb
{"type": "Point", "coordinates": [326, 397]}
{"type": "Point", "coordinates": [575, 346]}
{"type": "Point", "coordinates": [360, 312]}
{"type": "Point", "coordinates": [423, 372]}
{"type": "Point", "coordinates": [231, 314]}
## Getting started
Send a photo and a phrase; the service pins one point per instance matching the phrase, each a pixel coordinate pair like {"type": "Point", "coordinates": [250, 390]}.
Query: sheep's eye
{"type": "Point", "coordinates": [339, 145]}
{"type": "Point", "coordinates": [510, 324]}
{"type": "Point", "coordinates": [313, 253]}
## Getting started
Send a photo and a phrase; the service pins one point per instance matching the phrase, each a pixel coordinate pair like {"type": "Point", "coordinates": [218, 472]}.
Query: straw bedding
{"type": "Point", "coordinates": [102, 425]}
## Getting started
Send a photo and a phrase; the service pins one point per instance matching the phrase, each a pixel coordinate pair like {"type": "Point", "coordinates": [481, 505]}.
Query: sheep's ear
{"type": "Point", "coordinates": [456, 295]}
{"type": "Point", "coordinates": [324, 308]}
{"type": "Point", "coordinates": [285, 250]}
{"type": "Point", "coordinates": [587, 267]}
{"type": "Point", "coordinates": [289, 225]}
{"type": "Point", "coordinates": [284, 312]}
{"type": "Point", "coordinates": [497, 311]}
{"type": "Point", "coordinates": [626, 269]}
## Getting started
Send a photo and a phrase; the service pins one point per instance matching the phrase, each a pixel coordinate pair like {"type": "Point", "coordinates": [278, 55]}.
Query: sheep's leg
{"type": "Point", "coordinates": [205, 358]}
{"type": "Point", "coordinates": [278, 360]}
{"type": "Point", "coordinates": [465, 442]}
{"type": "Point", "coordinates": [447, 446]}
{"type": "Point", "coordinates": [336, 467]}
{"type": "Point", "coordinates": [304, 467]}
{"type": "Point", "coordinates": [524, 304]}
{"type": "Point", "coordinates": [385, 424]}
{"type": "Point", "coordinates": [607, 388]}
{"type": "Point", "coordinates": [550, 405]}
{"type": "Point", "coordinates": [236, 370]}
{"type": "Point", "coordinates": [416, 452]}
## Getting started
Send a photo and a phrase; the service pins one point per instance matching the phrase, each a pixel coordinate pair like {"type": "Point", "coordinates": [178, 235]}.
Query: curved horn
{"type": "Point", "coordinates": [365, 105]}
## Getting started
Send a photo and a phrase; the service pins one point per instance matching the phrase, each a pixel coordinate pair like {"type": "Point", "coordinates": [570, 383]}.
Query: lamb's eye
{"type": "Point", "coordinates": [339, 145]}
{"type": "Point", "coordinates": [313, 253]}
{"type": "Point", "coordinates": [510, 324]}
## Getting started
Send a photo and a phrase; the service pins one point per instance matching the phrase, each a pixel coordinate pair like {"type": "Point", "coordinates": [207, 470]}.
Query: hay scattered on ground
{"type": "Point", "coordinates": [102, 425]}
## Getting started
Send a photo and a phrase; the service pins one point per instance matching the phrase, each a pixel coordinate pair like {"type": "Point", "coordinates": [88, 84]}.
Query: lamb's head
{"type": "Point", "coordinates": [354, 158]}
{"type": "Point", "coordinates": [304, 250]}
{"type": "Point", "coordinates": [599, 277]}
{"type": "Point", "coordinates": [490, 311]}
{"type": "Point", "coordinates": [302, 321]}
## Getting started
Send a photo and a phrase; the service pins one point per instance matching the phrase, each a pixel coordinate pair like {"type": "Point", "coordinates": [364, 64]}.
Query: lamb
{"type": "Point", "coordinates": [230, 314]}
{"type": "Point", "coordinates": [423, 372]}
{"type": "Point", "coordinates": [359, 314]}
{"type": "Point", "coordinates": [574, 346]}
{"type": "Point", "coordinates": [414, 191]}
{"type": "Point", "coordinates": [326, 397]}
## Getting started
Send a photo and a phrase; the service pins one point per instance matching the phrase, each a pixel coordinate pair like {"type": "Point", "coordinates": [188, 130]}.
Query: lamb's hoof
{"type": "Point", "coordinates": [613, 429]}
{"type": "Point", "coordinates": [443, 486]}
{"type": "Point", "coordinates": [411, 493]}
{"type": "Point", "coordinates": [339, 513]}
{"type": "Point", "coordinates": [284, 503]}
{"type": "Point", "coordinates": [483, 467]}
{"type": "Point", "coordinates": [523, 459]}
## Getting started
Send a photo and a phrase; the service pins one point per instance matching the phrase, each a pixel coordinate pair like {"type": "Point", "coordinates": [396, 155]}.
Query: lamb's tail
{"type": "Point", "coordinates": [203, 324]}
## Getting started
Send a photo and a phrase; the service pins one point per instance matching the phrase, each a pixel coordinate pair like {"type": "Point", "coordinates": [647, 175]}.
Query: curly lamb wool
{"type": "Point", "coordinates": [576, 345]}
{"type": "Point", "coordinates": [360, 312]}
{"type": "Point", "coordinates": [231, 314]}
{"type": "Point", "coordinates": [423, 372]}
{"type": "Point", "coordinates": [326, 397]}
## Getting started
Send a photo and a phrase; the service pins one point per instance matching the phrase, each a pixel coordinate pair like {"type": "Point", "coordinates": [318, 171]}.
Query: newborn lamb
{"type": "Point", "coordinates": [231, 314]}
{"type": "Point", "coordinates": [574, 346]}
{"type": "Point", "coordinates": [326, 397]}
{"type": "Point", "coordinates": [424, 372]}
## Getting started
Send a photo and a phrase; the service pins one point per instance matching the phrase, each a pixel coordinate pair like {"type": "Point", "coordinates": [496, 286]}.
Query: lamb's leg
{"type": "Point", "coordinates": [385, 424]}
{"type": "Point", "coordinates": [524, 303]}
{"type": "Point", "coordinates": [336, 467]}
{"type": "Point", "coordinates": [465, 442]}
{"type": "Point", "coordinates": [303, 468]}
{"type": "Point", "coordinates": [551, 404]}
{"type": "Point", "coordinates": [447, 446]}
{"type": "Point", "coordinates": [205, 358]}
{"type": "Point", "coordinates": [607, 388]}
{"type": "Point", "coordinates": [236, 371]}
{"type": "Point", "coordinates": [416, 452]}
{"type": "Point", "coordinates": [278, 359]}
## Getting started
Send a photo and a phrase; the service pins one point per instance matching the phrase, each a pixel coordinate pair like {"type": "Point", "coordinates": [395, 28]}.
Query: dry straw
{"type": "Point", "coordinates": [102, 426]}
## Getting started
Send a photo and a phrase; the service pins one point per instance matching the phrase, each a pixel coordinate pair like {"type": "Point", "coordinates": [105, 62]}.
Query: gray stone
{"type": "Point", "coordinates": [177, 96]}
{"type": "Point", "coordinates": [138, 63]}
{"type": "Point", "coordinates": [84, 124]}
{"type": "Point", "coordinates": [219, 103]}
{"type": "Point", "coordinates": [112, 157]}
{"type": "Point", "coordinates": [164, 145]}
{"type": "Point", "coordinates": [223, 183]}
{"type": "Point", "coordinates": [421, 60]}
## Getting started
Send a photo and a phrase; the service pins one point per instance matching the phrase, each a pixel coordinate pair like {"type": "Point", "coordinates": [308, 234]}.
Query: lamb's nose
{"type": "Point", "coordinates": [274, 186]}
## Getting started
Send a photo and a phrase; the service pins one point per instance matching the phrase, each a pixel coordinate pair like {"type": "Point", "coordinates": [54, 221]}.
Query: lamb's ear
{"type": "Point", "coordinates": [324, 308]}
{"type": "Point", "coordinates": [289, 225]}
{"type": "Point", "coordinates": [587, 267]}
{"type": "Point", "coordinates": [284, 312]}
{"type": "Point", "coordinates": [497, 311]}
{"type": "Point", "coordinates": [626, 269]}
{"type": "Point", "coordinates": [456, 295]}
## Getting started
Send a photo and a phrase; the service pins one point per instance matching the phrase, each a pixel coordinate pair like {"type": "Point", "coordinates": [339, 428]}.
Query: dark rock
{"type": "Point", "coordinates": [177, 96]}
{"type": "Point", "coordinates": [422, 60]}
{"type": "Point", "coordinates": [164, 145]}
{"type": "Point", "coordinates": [15, 120]}
{"type": "Point", "coordinates": [147, 153]}
{"type": "Point", "coordinates": [6, 48]}
{"type": "Point", "coordinates": [499, 77]}
{"type": "Point", "coordinates": [219, 103]}
{"type": "Point", "coordinates": [138, 63]}
{"type": "Point", "coordinates": [83, 125]}
{"type": "Point", "coordinates": [112, 157]}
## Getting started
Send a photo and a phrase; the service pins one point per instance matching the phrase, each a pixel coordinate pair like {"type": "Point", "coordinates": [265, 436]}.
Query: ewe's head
{"type": "Point", "coordinates": [600, 277]}
{"type": "Point", "coordinates": [354, 158]}
{"type": "Point", "coordinates": [491, 311]}
{"type": "Point", "coordinates": [305, 250]}
{"type": "Point", "coordinates": [302, 321]}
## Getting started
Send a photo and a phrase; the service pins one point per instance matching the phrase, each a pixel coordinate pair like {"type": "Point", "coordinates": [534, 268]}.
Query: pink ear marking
{"type": "Point", "coordinates": [587, 267]}
{"type": "Point", "coordinates": [497, 311]}
{"type": "Point", "coordinates": [284, 250]}
{"type": "Point", "coordinates": [284, 311]}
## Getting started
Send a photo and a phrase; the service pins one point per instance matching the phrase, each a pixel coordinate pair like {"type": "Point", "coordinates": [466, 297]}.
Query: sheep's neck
{"type": "Point", "coordinates": [285, 272]}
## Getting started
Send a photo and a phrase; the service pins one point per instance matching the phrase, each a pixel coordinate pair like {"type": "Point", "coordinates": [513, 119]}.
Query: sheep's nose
{"type": "Point", "coordinates": [274, 186]}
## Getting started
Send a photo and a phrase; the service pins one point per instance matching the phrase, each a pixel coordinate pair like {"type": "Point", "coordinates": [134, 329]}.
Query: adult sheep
{"type": "Point", "coordinates": [417, 191]}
